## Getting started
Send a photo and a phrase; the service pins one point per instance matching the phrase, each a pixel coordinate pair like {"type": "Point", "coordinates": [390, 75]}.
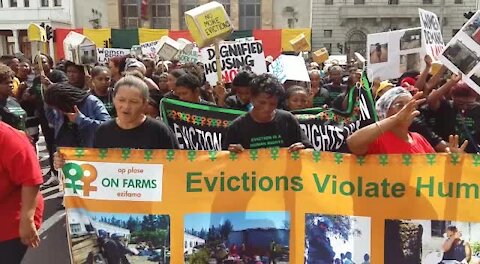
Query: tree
{"type": "Point", "coordinates": [226, 229]}
{"type": "Point", "coordinates": [342, 225]}
{"type": "Point", "coordinates": [132, 224]}
{"type": "Point", "coordinates": [148, 223]}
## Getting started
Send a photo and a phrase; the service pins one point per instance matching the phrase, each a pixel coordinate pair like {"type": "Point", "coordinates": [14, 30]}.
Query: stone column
{"type": "Point", "coordinates": [175, 14]}
{"type": "Point", "coordinates": [113, 13]}
{"type": "Point", "coordinates": [16, 47]}
{"type": "Point", "coordinates": [267, 14]}
{"type": "Point", "coordinates": [234, 13]}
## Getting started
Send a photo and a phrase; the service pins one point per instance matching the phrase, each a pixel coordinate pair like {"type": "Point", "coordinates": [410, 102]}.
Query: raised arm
{"type": "Point", "coordinates": [436, 96]}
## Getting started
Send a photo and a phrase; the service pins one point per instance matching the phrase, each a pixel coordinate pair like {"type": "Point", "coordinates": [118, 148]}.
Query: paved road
{"type": "Point", "coordinates": [53, 247]}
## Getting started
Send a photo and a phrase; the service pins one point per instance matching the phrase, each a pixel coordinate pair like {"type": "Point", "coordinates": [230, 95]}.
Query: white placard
{"type": "Point", "coordinates": [105, 54]}
{"type": "Point", "coordinates": [290, 68]}
{"type": "Point", "coordinates": [390, 54]}
{"type": "Point", "coordinates": [234, 57]}
{"type": "Point", "coordinates": [432, 39]}
{"type": "Point", "coordinates": [150, 48]}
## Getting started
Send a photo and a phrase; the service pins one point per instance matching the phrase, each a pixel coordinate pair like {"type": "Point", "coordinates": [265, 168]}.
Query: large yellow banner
{"type": "Point", "coordinates": [174, 206]}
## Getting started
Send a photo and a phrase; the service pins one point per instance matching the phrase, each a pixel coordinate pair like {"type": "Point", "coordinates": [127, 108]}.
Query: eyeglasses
{"type": "Point", "coordinates": [397, 106]}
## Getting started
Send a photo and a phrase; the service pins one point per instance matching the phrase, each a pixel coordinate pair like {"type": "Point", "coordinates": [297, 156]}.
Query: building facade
{"type": "Point", "coordinates": [168, 14]}
{"type": "Point", "coordinates": [16, 15]}
{"type": "Point", "coordinates": [191, 242]}
{"type": "Point", "coordinates": [342, 26]}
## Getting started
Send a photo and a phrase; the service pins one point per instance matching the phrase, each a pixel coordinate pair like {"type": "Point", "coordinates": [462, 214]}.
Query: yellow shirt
{"type": "Point", "coordinates": [16, 83]}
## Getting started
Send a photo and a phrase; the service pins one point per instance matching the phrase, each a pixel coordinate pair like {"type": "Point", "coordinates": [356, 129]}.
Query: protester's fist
{"type": "Point", "coordinates": [58, 160]}
{"type": "Point", "coordinates": [428, 60]}
{"type": "Point", "coordinates": [220, 90]}
{"type": "Point", "coordinates": [44, 79]}
{"type": "Point", "coordinates": [236, 148]}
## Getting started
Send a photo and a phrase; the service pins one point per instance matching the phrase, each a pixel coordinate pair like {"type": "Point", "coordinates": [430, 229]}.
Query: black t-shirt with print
{"type": "Point", "coordinates": [335, 90]}
{"type": "Point", "coordinates": [107, 100]}
{"type": "Point", "coordinates": [450, 121]}
{"type": "Point", "coordinates": [419, 126]}
{"type": "Point", "coordinates": [283, 131]}
{"type": "Point", "coordinates": [151, 134]}
{"type": "Point", "coordinates": [321, 98]}
{"type": "Point", "coordinates": [233, 102]}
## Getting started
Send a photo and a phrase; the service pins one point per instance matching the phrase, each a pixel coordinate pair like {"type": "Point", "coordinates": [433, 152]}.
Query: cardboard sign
{"type": "Point", "coordinates": [105, 54]}
{"type": "Point", "coordinates": [289, 67]}
{"type": "Point", "coordinates": [432, 39]}
{"type": "Point", "coordinates": [150, 48]}
{"type": "Point", "coordinates": [234, 57]}
{"type": "Point", "coordinates": [300, 43]}
{"type": "Point", "coordinates": [207, 23]}
{"type": "Point", "coordinates": [36, 33]}
{"type": "Point", "coordinates": [320, 55]}
{"type": "Point", "coordinates": [462, 54]}
{"type": "Point", "coordinates": [79, 49]}
{"type": "Point", "coordinates": [390, 54]}
{"type": "Point", "coordinates": [279, 205]}
{"type": "Point", "coordinates": [168, 48]}
{"type": "Point", "coordinates": [190, 56]}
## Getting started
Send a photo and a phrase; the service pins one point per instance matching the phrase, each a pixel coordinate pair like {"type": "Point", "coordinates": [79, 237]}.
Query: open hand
{"type": "Point", "coordinates": [409, 111]}
{"type": "Point", "coordinates": [453, 145]}
{"type": "Point", "coordinates": [28, 233]}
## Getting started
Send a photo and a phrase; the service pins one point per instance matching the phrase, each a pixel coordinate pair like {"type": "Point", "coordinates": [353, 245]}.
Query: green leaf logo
{"type": "Point", "coordinates": [126, 152]}
{"type": "Point", "coordinates": [431, 159]}
{"type": "Point", "coordinates": [233, 156]}
{"type": "Point", "coordinates": [148, 154]}
{"type": "Point", "coordinates": [361, 160]}
{"type": "Point", "coordinates": [316, 156]}
{"type": "Point", "coordinates": [338, 157]}
{"type": "Point", "coordinates": [170, 154]}
{"type": "Point", "coordinates": [383, 159]}
{"type": "Point", "coordinates": [476, 160]}
{"type": "Point", "coordinates": [274, 153]}
{"type": "Point", "coordinates": [213, 155]}
{"type": "Point", "coordinates": [454, 158]}
{"type": "Point", "coordinates": [407, 159]}
{"type": "Point", "coordinates": [102, 153]}
{"type": "Point", "coordinates": [295, 155]}
{"type": "Point", "coordinates": [253, 154]}
{"type": "Point", "coordinates": [79, 152]}
{"type": "Point", "coordinates": [192, 155]}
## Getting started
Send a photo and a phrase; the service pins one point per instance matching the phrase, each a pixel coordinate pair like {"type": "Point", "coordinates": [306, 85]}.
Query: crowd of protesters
{"type": "Point", "coordinates": [117, 106]}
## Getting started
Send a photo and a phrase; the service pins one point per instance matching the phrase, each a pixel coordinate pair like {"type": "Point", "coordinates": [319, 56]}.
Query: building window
{"type": "Point", "coordinates": [458, 1]}
{"type": "Point", "coordinates": [226, 4]}
{"type": "Point", "coordinates": [250, 14]}
{"type": "Point", "coordinates": [328, 2]}
{"type": "Point", "coordinates": [57, 2]}
{"type": "Point", "coordinates": [186, 5]}
{"type": "Point", "coordinates": [359, 2]}
{"type": "Point", "coordinates": [75, 228]}
{"type": "Point", "coordinates": [393, 2]}
{"type": "Point", "coordinates": [44, 3]}
{"type": "Point", "coordinates": [26, 3]}
{"type": "Point", "coordinates": [427, 2]}
{"type": "Point", "coordinates": [327, 33]}
{"type": "Point", "coordinates": [130, 13]}
{"type": "Point", "coordinates": [13, 3]}
{"type": "Point", "coordinates": [328, 46]}
{"type": "Point", "coordinates": [160, 13]}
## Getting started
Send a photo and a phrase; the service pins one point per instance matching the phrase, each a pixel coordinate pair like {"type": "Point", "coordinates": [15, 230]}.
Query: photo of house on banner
{"type": "Point", "coordinates": [431, 242]}
{"type": "Point", "coordinates": [118, 238]}
{"type": "Point", "coordinates": [337, 239]}
{"type": "Point", "coordinates": [240, 237]}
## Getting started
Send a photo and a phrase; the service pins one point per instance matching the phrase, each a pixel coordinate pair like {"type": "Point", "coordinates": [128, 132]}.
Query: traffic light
{"type": "Point", "coordinates": [107, 43]}
{"type": "Point", "coordinates": [49, 31]}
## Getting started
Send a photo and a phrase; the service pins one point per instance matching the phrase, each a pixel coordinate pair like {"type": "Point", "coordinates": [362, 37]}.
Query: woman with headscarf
{"type": "Point", "coordinates": [396, 111]}
{"type": "Point", "coordinates": [74, 113]}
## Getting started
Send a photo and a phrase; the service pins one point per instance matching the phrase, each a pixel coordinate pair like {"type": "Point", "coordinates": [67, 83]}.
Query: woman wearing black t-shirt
{"type": "Point", "coordinates": [265, 126]}
{"type": "Point", "coordinates": [131, 128]}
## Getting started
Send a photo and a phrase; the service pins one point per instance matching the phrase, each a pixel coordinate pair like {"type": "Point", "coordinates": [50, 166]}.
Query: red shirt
{"type": "Point", "coordinates": [19, 167]}
{"type": "Point", "coordinates": [389, 143]}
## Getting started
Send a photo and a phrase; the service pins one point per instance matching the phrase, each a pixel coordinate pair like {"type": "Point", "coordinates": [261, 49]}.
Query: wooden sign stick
{"type": "Point", "coordinates": [217, 57]}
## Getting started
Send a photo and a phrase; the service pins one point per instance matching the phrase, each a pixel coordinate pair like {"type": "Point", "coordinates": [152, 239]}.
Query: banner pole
{"type": "Point", "coordinates": [217, 57]}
